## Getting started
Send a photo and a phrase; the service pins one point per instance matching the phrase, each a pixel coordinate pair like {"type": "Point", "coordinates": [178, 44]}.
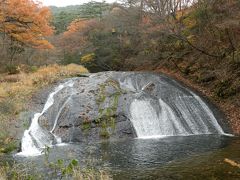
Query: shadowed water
{"type": "Point", "coordinates": [193, 157]}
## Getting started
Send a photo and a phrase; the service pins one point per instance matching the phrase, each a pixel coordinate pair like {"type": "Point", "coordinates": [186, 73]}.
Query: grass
{"type": "Point", "coordinates": [82, 174]}
{"type": "Point", "coordinates": [3, 173]}
{"type": "Point", "coordinates": [16, 90]}
{"type": "Point", "coordinates": [56, 170]}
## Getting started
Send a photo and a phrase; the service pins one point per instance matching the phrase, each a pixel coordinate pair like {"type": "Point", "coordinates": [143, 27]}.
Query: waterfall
{"type": "Point", "coordinates": [172, 116]}
{"type": "Point", "coordinates": [36, 138]}
{"type": "Point", "coordinates": [162, 107]}
{"type": "Point", "coordinates": [145, 118]}
{"type": "Point", "coordinates": [186, 116]}
{"type": "Point", "coordinates": [157, 106]}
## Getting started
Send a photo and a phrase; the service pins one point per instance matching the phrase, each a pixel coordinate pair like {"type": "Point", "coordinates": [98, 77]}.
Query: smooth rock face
{"type": "Point", "coordinates": [76, 110]}
{"type": "Point", "coordinates": [147, 105]}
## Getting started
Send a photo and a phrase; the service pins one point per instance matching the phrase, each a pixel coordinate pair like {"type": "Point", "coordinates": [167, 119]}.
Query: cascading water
{"type": "Point", "coordinates": [36, 138]}
{"type": "Point", "coordinates": [149, 122]}
{"type": "Point", "coordinates": [169, 110]}
{"type": "Point", "coordinates": [156, 106]}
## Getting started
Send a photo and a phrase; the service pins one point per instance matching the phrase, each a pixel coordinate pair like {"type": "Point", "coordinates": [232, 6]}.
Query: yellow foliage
{"type": "Point", "coordinates": [25, 83]}
{"type": "Point", "coordinates": [178, 44]}
{"type": "Point", "coordinates": [189, 22]}
{"type": "Point", "coordinates": [113, 30]}
{"type": "Point", "coordinates": [183, 13]}
{"type": "Point", "coordinates": [88, 58]}
{"type": "Point", "coordinates": [191, 38]}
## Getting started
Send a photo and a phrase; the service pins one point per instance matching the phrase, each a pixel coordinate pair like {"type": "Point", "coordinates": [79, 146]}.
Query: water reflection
{"type": "Point", "coordinates": [168, 158]}
{"type": "Point", "coordinates": [140, 153]}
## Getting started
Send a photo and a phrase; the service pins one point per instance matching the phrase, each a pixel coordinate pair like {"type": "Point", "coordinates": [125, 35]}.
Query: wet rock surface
{"type": "Point", "coordinates": [97, 107]}
{"type": "Point", "coordinates": [80, 112]}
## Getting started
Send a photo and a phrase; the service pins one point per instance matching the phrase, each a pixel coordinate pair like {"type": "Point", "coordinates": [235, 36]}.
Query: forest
{"type": "Point", "coordinates": [194, 41]}
{"type": "Point", "coordinates": [197, 39]}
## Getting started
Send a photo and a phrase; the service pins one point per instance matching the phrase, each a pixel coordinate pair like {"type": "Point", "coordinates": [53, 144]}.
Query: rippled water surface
{"type": "Point", "coordinates": [191, 157]}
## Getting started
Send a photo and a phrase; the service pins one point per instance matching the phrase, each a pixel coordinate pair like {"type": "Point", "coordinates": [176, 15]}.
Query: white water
{"type": "Point", "coordinates": [145, 119]}
{"type": "Point", "coordinates": [169, 110]}
{"type": "Point", "coordinates": [59, 112]}
{"type": "Point", "coordinates": [209, 113]}
{"type": "Point", "coordinates": [158, 108]}
{"type": "Point", "coordinates": [152, 122]}
{"type": "Point", "coordinates": [36, 138]}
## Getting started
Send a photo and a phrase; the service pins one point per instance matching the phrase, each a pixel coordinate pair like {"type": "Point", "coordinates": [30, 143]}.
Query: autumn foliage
{"type": "Point", "coordinates": [76, 36]}
{"type": "Point", "coordinates": [25, 22]}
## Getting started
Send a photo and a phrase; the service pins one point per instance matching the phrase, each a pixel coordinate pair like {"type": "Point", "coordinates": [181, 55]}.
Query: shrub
{"type": "Point", "coordinates": [12, 69]}
{"type": "Point", "coordinates": [70, 58]}
{"type": "Point", "coordinates": [88, 58]}
{"type": "Point", "coordinates": [33, 69]}
{"type": "Point", "coordinates": [224, 89]}
{"type": "Point", "coordinates": [8, 147]}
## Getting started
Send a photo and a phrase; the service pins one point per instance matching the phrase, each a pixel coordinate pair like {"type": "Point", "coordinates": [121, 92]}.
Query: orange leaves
{"type": "Point", "coordinates": [44, 44]}
{"type": "Point", "coordinates": [76, 36]}
{"type": "Point", "coordinates": [79, 25]}
{"type": "Point", "coordinates": [27, 22]}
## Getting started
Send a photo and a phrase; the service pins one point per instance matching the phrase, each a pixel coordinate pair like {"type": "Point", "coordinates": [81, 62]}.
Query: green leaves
{"type": "Point", "coordinates": [63, 16]}
{"type": "Point", "coordinates": [64, 170]}
{"type": "Point", "coordinates": [68, 170]}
